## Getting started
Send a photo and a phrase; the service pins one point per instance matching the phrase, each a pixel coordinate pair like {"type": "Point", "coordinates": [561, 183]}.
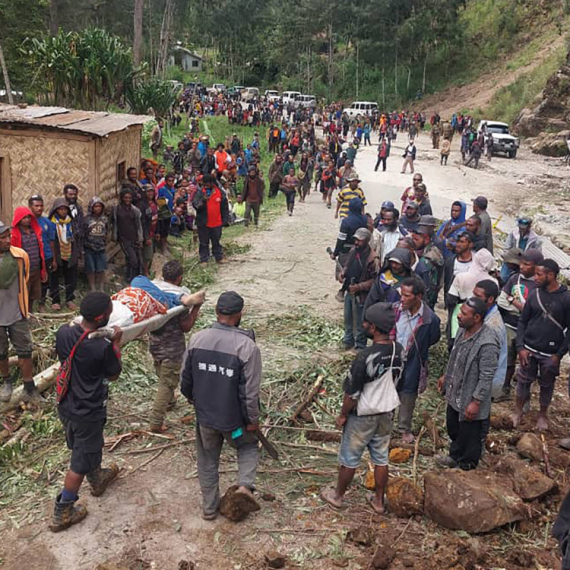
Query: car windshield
{"type": "Point", "coordinates": [498, 129]}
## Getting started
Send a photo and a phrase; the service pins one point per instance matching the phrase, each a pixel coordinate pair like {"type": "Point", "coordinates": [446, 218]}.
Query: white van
{"type": "Point", "coordinates": [361, 108]}
{"type": "Point", "coordinates": [289, 97]}
{"type": "Point", "coordinates": [272, 95]}
{"type": "Point", "coordinates": [305, 102]}
{"type": "Point", "coordinates": [249, 93]}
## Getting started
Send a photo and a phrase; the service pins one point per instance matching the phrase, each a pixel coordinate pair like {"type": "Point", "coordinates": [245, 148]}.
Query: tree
{"type": "Point", "coordinates": [138, 32]}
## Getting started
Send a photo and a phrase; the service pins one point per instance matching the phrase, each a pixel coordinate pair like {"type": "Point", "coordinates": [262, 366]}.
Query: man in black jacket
{"type": "Point", "coordinates": [221, 376]}
{"type": "Point", "coordinates": [212, 214]}
{"type": "Point", "coordinates": [542, 339]}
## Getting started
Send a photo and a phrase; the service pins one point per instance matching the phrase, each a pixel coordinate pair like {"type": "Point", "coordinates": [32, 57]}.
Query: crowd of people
{"type": "Point", "coordinates": [393, 267]}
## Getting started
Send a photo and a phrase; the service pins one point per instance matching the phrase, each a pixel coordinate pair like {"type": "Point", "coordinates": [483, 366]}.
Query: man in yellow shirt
{"type": "Point", "coordinates": [347, 194]}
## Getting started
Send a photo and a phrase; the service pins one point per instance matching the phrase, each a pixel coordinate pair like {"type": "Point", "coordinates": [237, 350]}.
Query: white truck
{"type": "Point", "coordinates": [503, 141]}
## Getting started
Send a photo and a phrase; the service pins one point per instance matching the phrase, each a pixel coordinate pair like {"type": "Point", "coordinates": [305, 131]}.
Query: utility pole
{"type": "Point", "coordinates": [6, 77]}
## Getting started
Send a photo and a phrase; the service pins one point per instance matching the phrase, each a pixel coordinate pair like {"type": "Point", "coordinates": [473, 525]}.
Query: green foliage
{"type": "Point", "coordinates": [151, 96]}
{"type": "Point", "coordinates": [88, 69]}
{"type": "Point", "coordinates": [508, 102]}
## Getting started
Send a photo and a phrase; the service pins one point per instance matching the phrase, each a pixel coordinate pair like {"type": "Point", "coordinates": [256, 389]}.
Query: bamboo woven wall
{"type": "Point", "coordinates": [43, 165]}
{"type": "Point", "coordinates": [117, 147]}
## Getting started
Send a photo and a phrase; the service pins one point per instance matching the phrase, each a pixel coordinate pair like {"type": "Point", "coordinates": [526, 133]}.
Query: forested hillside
{"type": "Point", "coordinates": [386, 50]}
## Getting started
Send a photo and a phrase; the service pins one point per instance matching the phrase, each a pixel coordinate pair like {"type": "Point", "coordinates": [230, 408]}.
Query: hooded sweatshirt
{"type": "Point", "coordinates": [538, 332]}
{"type": "Point", "coordinates": [355, 219]}
{"type": "Point", "coordinates": [96, 228]}
{"type": "Point", "coordinates": [20, 213]}
{"type": "Point", "coordinates": [65, 243]}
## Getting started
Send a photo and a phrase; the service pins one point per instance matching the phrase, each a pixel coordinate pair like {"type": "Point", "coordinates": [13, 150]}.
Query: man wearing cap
{"type": "Point", "coordinates": [467, 384]}
{"type": "Point", "coordinates": [542, 339]}
{"type": "Point", "coordinates": [14, 312]}
{"type": "Point", "coordinates": [511, 302]}
{"type": "Point", "coordinates": [523, 236]}
{"type": "Point", "coordinates": [480, 208]}
{"type": "Point", "coordinates": [345, 195]}
{"type": "Point", "coordinates": [375, 369]}
{"type": "Point", "coordinates": [252, 195]}
{"type": "Point", "coordinates": [411, 218]}
{"type": "Point", "coordinates": [359, 270]}
{"type": "Point", "coordinates": [221, 376]}
{"type": "Point", "coordinates": [430, 259]}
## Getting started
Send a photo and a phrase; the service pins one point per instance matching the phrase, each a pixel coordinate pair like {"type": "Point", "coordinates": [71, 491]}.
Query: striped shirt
{"type": "Point", "coordinates": [345, 196]}
{"type": "Point", "coordinates": [31, 246]}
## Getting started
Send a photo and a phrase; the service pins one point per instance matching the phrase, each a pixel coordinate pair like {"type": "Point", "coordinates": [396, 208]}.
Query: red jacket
{"type": "Point", "coordinates": [20, 213]}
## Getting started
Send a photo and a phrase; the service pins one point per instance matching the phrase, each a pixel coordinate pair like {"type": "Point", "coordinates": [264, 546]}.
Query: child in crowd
{"type": "Point", "coordinates": [96, 228]}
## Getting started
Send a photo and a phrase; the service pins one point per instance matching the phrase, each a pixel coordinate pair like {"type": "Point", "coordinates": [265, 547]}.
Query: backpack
{"type": "Point", "coordinates": [64, 375]}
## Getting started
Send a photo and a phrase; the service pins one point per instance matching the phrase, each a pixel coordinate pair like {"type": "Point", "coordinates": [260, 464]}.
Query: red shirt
{"type": "Point", "coordinates": [214, 205]}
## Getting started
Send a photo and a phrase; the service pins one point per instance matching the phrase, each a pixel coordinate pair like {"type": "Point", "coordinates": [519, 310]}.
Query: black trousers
{"type": "Point", "coordinates": [273, 189]}
{"type": "Point", "coordinates": [207, 235]}
{"type": "Point", "coordinates": [133, 256]}
{"type": "Point", "coordinates": [381, 161]}
{"type": "Point", "coordinates": [69, 275]}
{"type": "Point", "coordinates": [465, 437]}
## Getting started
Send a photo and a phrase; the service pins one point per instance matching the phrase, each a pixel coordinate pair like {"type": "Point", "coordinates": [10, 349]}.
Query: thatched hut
{"type": "Point", "coordinates": [44, 148]}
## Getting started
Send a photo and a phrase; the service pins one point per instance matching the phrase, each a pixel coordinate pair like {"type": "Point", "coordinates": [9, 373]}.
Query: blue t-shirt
{"type": "Point", "coordinates": [48, 235]}
{"type": "Point", "coordinates": [168, 193]}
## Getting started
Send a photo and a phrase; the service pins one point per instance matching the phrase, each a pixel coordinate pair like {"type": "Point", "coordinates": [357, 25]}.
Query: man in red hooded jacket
{"type": "Point", "coordinates": [27, 235]}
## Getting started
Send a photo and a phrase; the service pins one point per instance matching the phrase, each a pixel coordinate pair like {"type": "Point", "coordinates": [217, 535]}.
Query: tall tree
{"type": "Point", "coordinates": [137, 32]}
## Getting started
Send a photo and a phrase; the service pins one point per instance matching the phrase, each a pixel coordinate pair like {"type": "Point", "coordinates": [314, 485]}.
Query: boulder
{"type": "Point", "coordinates": [528, 483]}
{"type": "Point", "coordinates": [274, 559]}
{"type": "Point", "coordinates": [549, 144]}
{"type": "Point", "coordinates": [404, 497]}
{"type": "Point", "coordinates": [399, 455]}
{"type": "Point", "coordinates": [236, 505]}
{"type": "Point", "coordinates": [529, 446]}
{"type": "Point", "coordinates": [474, 501]}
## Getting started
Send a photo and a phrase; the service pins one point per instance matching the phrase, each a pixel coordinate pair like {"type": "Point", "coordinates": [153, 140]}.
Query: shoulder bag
{"type": "Point", "coordinates": [64, 375]}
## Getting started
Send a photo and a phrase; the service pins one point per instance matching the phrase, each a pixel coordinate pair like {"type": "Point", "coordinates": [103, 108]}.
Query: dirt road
{"type": "Point", "coordinates": [151, 518]}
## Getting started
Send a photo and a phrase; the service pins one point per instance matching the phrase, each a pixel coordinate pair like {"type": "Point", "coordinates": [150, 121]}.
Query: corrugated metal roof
{"type": "Point", "coordinates": [59, 118]}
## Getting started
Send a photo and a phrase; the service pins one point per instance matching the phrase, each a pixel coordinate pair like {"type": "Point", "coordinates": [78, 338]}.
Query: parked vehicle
{"type": "Point", "coordinates": [235, 90]}
{"type": "Point", "coordinates": [272, 95]}
{"type": "Point", "coordinates": [305, 102]}
{"type": "Point", "coordinates": [194, 85]}
{"type": "Point", "coordinates": [217, 88]}
{"type": "Point", "coordinates": [249, 94]}
{"type": "Point", "coordinates": [289, 97]}
{"type": "Point", "coordinates": [503, 141]}
{"type": "Point", "coordinates": [361, 108]}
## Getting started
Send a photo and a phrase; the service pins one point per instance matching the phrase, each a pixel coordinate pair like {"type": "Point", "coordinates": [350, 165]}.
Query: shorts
{"type": "Point", "coordinates": [20, 336]}
{"type": "Point", "coordinates": [361, 432]}
{"type": "Point", "coordinates": [163, 228]}
{"type": "Point", "coordinates": [95, 261]}
{"type": "Point", "coordinates": [147, 253]}
{"type": "Point", "coordinates": [35, 285]}
{"type": "Point", "coordinates": [511, 347]}
{"type": "Point", "coordinates": [85, 439]}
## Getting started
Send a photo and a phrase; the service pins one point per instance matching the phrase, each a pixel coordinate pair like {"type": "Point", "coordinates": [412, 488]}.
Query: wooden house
{"type": "Point", "coordinates": [44, 148]}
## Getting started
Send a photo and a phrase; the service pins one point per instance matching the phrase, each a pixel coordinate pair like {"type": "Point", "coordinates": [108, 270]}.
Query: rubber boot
{"type": "Point", "coordinates": [6, 392]}
{"type": "Point", "coordinates": [65, 514]}
{"type": "Point", "coordinates": [101, 478]}
{"type": "Point", "coordinates": [31, 394]}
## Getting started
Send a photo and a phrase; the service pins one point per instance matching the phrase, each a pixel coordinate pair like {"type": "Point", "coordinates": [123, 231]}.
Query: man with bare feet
{"type": "Point", "coordinates": [369, 398]}
{"type": "Point", "coordinates": [221, 376]}
{"type": "Point", "coordinates": [542, 339]}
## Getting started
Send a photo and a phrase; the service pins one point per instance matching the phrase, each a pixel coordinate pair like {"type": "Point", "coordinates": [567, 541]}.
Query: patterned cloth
{"type": "Point", "coordinates": [140, 303]}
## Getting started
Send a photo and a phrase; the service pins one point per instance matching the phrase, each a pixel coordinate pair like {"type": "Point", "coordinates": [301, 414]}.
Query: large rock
{"type": "Point", "coordinates": [550, 144]}
{"type": "Point", "coordinates": [528, 483]}
{"type": "Point", "coordinates": [529, 446]}
{"type": "Point", "coordinates": [474, 501]}
{"type": "Point", "coordinates": [404, 497]}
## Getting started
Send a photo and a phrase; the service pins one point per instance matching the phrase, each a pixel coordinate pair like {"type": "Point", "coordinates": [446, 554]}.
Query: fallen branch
{"type": "Point", "coordinates": [546, 455]}
{"type": "Point", "coordinates": [314, 391]}
{"type": "Point", "coordinates": [144, 463]}
{"type": "Point", "coordinates": [43, 381]}
{"type": "Point", "coordinates": [157, 447]}
{"type": "Point", "coordinates": [416, 451]}
{"type": "Point", "coordinates": [304, 446]}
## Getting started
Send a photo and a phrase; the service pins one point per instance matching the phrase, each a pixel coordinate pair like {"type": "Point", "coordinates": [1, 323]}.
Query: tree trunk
{"type": "Point", "coordinates": [330, 63]}
{"type": "Point", "coordinates": [53, 17]}
{"type": "Point", "coordinates": [162, 59]}
{"type": "Point", "coordinates": [137, 32]}
{"type": "Point", "coordinates": [6, 77]}
{"type": "Point", "coordinates": [357, 78]}
{"type": "Point", "coordinates": [424, 79]}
